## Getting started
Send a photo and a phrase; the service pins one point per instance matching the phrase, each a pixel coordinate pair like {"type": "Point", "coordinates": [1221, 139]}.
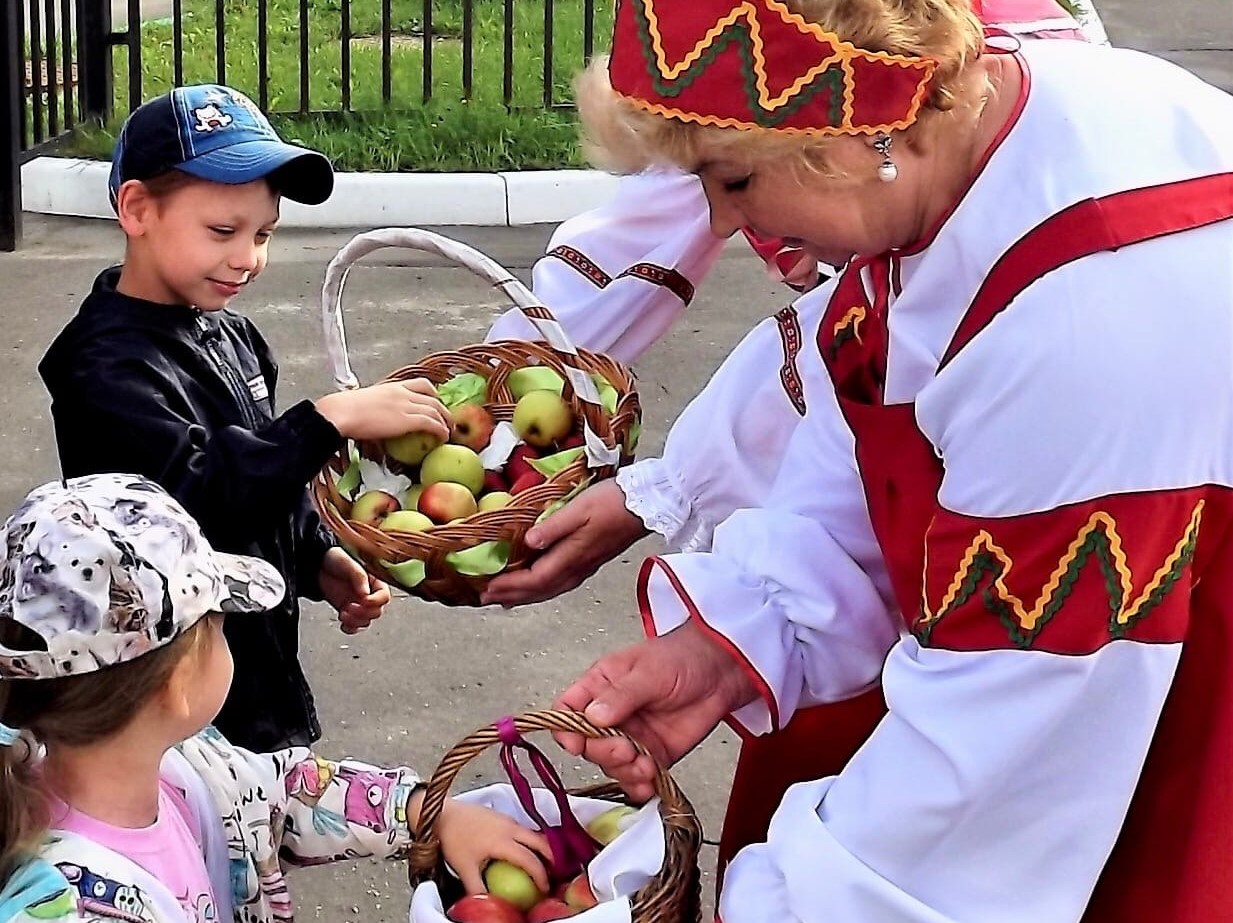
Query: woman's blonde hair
{"type": "Point", "coordinates": [621, 137]}
{"type": "Point", "coordinates": [73, 711]}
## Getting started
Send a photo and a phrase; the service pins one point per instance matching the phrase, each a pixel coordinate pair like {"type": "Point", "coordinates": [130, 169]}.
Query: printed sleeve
{"type": "Point", "coordinates": [618, 277]}
{"type": "Point", "coordinates": [303, 808]}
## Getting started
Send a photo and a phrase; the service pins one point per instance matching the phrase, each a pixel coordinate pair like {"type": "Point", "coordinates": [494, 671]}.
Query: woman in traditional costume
{"type": "Point", "coordinates": [1007, 500]}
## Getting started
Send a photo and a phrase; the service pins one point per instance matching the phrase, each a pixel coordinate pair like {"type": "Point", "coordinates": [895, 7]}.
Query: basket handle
{"type": "Point", "coordinates": [598, 454]}
{"type": "Point", "coordinates": [425, 850]}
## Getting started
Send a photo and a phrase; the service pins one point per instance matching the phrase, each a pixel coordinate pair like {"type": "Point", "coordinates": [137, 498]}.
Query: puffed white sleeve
{"type": "Point", "coordinates": [619, 276]}
{"type": "Point", "coordinates": [725, 449]}
{"type": "Point", "coordinates": [794, 585]}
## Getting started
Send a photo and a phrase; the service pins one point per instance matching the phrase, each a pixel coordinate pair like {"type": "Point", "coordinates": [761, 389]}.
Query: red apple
{"type": "Point", "coordinates": [531, 479]}
{"type": "Point", "coordinates": [578, 893]}
{"type": "Point", "coordinates": [550, 908]}
{"type": "Point", "coordinates": [472, 426]}
{"type": "Point", "coordinates": [542, 417]}
{"type": "Point", "coordinates": [373, 506]}
{"type": "Point", "coordinates": [446, 501]}
{"type": "Point", "coordinates": [518, 465]}
{"type": "Point", "coordinates": [494, 482]}
{"type": "Point", "coordinates": [484, 908]}
{"type": "Point", "coordinates": [572, 442]}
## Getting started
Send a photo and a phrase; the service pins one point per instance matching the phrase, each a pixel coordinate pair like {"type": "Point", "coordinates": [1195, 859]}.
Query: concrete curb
{"type": "Point", "coordinates": [74, 187]}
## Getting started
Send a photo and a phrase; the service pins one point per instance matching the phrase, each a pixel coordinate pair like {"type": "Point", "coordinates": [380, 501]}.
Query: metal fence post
{"type": "Point", "coordinates": [12, 84]}
{"type": "Point", "coordinates": [94, 65]}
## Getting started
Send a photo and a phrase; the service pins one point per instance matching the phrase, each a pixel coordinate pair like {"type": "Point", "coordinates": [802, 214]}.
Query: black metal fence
{"type": "Point", "coordinates": [47, 87]}
{"type": "Point", "coordinates": [65, 62]}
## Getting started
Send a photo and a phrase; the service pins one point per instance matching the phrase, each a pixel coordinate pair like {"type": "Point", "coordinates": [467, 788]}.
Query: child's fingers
{"type": "Point", "coordinates": [420, 386]}
{"type": "Point", "coordinates": [471, 877]}
{"type": "Point", "coordinates": [515, 853]}
{"type": "Point", "coordinates": [534, 840]}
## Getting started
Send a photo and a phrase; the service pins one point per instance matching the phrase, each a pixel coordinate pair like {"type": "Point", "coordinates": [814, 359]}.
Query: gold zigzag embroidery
{"type": "Point", "coordinates": [844, 51]}
{"type": "Point", "coordinates": [852, 319]}
{"type": "Point", "coordinates": [1029, 618]}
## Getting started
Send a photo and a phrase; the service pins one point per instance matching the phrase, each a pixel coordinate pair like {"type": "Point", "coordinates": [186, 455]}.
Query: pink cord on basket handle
{"type": "Point", "coordinates": [572, 847]}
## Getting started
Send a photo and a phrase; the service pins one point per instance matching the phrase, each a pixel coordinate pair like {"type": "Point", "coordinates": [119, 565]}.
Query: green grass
{"type": "Point", "coordinates": [446, 133]}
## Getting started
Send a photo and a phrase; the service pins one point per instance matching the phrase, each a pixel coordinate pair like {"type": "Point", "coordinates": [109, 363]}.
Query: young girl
{"type": "Point", "coordinates": [156, 377]}
{"type": "Point", "coordinates": [117, 800]}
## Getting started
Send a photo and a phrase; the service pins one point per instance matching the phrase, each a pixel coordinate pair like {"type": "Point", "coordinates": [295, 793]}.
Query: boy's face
{"type": "Point", "coordinates": [198, 245]}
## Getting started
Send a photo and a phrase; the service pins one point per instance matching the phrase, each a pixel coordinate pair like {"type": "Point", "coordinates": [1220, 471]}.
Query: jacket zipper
{"type": "Point", "coordinates": [239, 390]}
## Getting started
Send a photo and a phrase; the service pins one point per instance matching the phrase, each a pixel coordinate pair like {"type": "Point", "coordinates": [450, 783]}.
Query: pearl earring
{"type": "Point", "coordinates": [887, 171]}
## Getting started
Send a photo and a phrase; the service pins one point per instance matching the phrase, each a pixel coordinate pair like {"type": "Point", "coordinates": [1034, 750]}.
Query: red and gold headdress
{"type": "Point", "coordinates": [756, 64]}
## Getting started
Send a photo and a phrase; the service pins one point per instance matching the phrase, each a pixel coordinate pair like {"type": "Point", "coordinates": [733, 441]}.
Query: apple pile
{"type": "Point", "coordinates": [513, 896]}
{"type": "Point", "coordinates": [449, 480]}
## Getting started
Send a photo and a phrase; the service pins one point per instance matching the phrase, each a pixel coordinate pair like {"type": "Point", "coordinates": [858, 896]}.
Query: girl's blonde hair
{"type": "Point", "coordinates": [619, 136]}
{"type": "Point", "coordinates": [73, 711]}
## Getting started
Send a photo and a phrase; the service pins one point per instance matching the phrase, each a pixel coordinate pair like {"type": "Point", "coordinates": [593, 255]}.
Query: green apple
{"type": "Point", "coordinates": [495, 500]}
{"type": "Point", "coordinates": [534, 378]}
{"type": "Point", "coordinates": [372, 506]}
{"type": "Point", "coordinates": [411, 448]}
{"type": "Point", "coordinates": [507, 881]}
{"type": "Point", "coordinates": [542, 417]}
{"type": "Point", "coordinates": [611, 824]}
{"type": "Point", "coordinates": [411, 498]}
{"type": "Point", "coordinates": [406, 521]}
{"type": "Point", "coordinates": [456, 464]}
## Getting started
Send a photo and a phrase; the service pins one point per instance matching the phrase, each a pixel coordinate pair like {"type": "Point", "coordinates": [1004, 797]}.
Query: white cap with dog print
{"type": "Point", "coordinates": [99, 570]}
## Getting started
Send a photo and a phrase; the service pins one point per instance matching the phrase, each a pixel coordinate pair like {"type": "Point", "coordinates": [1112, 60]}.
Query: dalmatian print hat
{"type": "Point", "coordinates": [99, 570]}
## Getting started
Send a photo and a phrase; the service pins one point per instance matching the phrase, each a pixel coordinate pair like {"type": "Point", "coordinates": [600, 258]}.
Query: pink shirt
{"type": "Point", "coordinates": [167, 849]}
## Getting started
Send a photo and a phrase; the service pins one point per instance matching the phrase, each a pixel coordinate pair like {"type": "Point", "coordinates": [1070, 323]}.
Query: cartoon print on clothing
{"type": "Point", "coordinates": [372, 800]}
{"type": "Point", "coordinates": [111, 900]}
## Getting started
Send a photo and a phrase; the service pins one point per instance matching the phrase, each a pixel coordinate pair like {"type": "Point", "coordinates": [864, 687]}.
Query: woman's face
{"type": "Point", "coordinates": [833, 219]}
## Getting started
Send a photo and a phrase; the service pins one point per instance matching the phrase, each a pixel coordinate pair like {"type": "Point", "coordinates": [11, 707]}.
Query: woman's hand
{"type": "Point", "coordinates": [472, 836]}
{"type": "Point", "coordinates": [581, 537]}
{"type": "Point", "coordinates": [359, 597]}
{"type": "Point", "coordinates": [390, 409]}
{"type": "Point", "coordinates": [667, 693]}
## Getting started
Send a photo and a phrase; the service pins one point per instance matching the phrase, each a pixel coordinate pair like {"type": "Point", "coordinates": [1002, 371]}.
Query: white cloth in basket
{"type": "Point", "coordinates": [618, 872]}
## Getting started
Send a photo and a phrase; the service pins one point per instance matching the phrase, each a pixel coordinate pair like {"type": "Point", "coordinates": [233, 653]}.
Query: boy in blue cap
{"type": "Point", "coordinates": [155, 376]}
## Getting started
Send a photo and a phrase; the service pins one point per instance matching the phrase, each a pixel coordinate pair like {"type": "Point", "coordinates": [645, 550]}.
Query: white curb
{"type": "Point", "coordinates": [70, 186]}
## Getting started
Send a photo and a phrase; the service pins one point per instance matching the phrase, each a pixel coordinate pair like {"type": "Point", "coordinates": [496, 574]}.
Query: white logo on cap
{"type": "Point", "coordinates": [210, 118]}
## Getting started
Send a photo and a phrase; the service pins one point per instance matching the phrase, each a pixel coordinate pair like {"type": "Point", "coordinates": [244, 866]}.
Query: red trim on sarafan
{"type": "Point", "coordinates": [648, 626]}
{"type": "Point", "coordinates": [1068, 580]}
{"type": "Point", "coordinates": [1094, 226]}
{"type": "Point", "coordinates": [670, 279]}
{"type": "Point", "coordinates": [789, 375]}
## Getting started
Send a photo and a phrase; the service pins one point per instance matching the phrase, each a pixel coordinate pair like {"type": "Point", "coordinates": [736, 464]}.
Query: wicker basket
{"type": "Point", "coordinates": [609, 443]}
{"type": "Point", "coordinates": [672, 896]}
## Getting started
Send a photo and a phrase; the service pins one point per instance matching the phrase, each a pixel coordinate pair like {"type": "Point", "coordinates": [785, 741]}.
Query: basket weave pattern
{"type": "Point", "coordinates": [672, 896]}
{"type": "Point", "coordinates": [495, 361]}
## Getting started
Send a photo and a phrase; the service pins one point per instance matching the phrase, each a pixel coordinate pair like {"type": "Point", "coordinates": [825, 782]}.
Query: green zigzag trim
{"type": "Point", "coordinates": [985, 565]}
{"type": "Point", "coordinates": [832, 79]}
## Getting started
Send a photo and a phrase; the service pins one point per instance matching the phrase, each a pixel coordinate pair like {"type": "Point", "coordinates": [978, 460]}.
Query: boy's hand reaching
{"type": "Point", "coordinates": [359, 598]}
{"type": "Point", "coordinates": [472, 836]}
{"type": "Point", "coordinates": [387, 410]}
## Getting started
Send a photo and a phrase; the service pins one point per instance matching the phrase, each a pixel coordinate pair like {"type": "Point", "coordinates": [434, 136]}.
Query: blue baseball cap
{"type": "Point", "coordinates": [215, 133]}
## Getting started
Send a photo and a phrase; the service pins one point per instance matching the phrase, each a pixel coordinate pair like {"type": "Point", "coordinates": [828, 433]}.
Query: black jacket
{"type": "Point", "coordinates": [187, 398]}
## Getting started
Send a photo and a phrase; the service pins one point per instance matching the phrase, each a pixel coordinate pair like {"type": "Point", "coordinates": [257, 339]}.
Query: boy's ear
{"type": "Point", "coordinates": [134, 207]}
